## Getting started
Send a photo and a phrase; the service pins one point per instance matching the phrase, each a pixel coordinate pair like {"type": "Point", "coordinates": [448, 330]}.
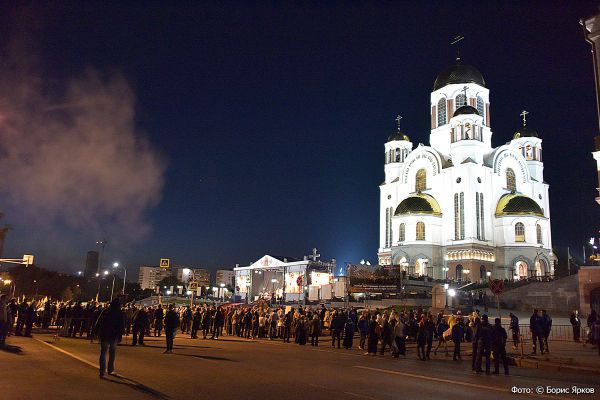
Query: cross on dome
{"type": "Point", "coordinates": [524, 116]}
{"type": "Point", "coordinates": [464, 90]}
{"type": "Point", "coordinates": [454, 41]}
{"type": "Point", "coordinates": [398, 118]}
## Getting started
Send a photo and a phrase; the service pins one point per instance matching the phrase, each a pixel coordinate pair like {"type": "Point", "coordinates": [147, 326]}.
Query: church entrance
{"type": "Point", "coordinates": [421, 267]}
{"type": "Point", "coordinates": [521, 270]}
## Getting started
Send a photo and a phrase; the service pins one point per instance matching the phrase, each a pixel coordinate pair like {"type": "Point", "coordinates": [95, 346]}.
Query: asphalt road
{"type": "Point", "coordinates": [228, 368]}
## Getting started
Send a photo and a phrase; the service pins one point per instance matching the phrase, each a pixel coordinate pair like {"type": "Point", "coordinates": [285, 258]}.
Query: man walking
{"type": "Point", "coordinates": [458, 335]}
{"type": "Point", "coordinates": [140, 321]}
{"type": "Point", "coordinates": [109, 328]}
{"type": "Point", "coordinates": [171, 324]}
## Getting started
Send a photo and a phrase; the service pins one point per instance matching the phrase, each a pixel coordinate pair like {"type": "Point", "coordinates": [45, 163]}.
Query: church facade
{"type": "Point", "coordinates": [459, 208]}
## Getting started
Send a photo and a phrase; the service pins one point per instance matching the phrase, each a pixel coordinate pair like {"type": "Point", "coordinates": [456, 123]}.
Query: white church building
{"type": "Point", "coordinates": [459, 208]}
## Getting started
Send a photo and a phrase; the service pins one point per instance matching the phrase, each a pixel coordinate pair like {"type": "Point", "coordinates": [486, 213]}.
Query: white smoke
{"type": "Point", "coordinates": [71, 157]}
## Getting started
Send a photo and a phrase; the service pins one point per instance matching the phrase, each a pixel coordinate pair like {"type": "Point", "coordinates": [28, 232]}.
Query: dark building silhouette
{"type": "Point", "coordinates": [91, 264]}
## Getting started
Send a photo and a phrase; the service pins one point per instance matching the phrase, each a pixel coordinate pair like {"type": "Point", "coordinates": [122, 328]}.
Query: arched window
{"type": "Point", "coordinates": [402, 236]}
{"type": "Point", "coordinates": [538, 231]}
{"type": "Point", "coordinates": [420, 231]}
{"type": "Point", "coordinates": [421, 180]}
{"type": "Point", "coordinates": [398, 155]}
{"type": "Point", "coordinates": [511, 180]}
{"type": "Point", "coordinates": [519, 232]}
{"type": "Point", "coordinates": [482, 272]}
{"type": "Point", "coordinates": [461, 100]}
{"type": "Point", "coordinates": [441, 112]}
{"type": "Point", "coordinates": [480, 106]}
{"type": "Point", "coordinates": [459, 272]}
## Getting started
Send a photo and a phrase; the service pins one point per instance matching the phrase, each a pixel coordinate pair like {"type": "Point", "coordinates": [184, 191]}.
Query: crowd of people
{"type": "Point", "coordinates": [377, 332]}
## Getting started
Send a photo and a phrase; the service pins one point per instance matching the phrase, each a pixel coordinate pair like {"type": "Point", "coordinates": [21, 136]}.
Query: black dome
{"type": "Point", "coordinates": [525, 132]}
{"type": "Point", "coordinates": [465, 110]}
{"type": "Point", "coordinates": [398, 136]}
{"type": "Point", "coordinates": [458, 73]}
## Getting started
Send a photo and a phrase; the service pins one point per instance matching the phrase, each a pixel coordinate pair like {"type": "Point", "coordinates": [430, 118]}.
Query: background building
{"type": "Point", "coordinates": [202, 275]}
{"type": "Point", "coordinates": [91, 264]}
{"type": "Point", "coordinates": [150, 276]}
{"type": "Point", "coordinates": [461, 208]}
{"type": "Point", "coordinates": [225, 276]}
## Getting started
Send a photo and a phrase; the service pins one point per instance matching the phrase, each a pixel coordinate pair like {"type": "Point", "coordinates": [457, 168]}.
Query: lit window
{"type": "Point", "coordinates": [420, 231]}
{"type": "Point", "coordinates": [461, 100]}
{"type": "Point", "coordinates": [538, 230]}
{"type": "Point", "coordinates": [421, 180]}
{"type": "Point", "coordinates": [519, 232]}
{"type": "Point", "coordinates": [398, 155]}
{"type": "Point", "coordinates": [441, 112]}
{"type": "Point", "coordinates": [511, 181]}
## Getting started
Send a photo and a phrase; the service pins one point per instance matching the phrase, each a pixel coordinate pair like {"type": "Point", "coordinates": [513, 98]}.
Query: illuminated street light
{"type": "Point", "coordinates": [452, 292]}
{"type": "Point", "coordinates": [115, 265]}
{"type": "Point", "coordinates": [168, 292]}
{"type": "Point", "coordinates": [79, 273]}
{"type": "Point", "coordinates": [488, 273]}
{"type": "Point", "coordinates": [97, 274]}
{"type": "Point", "coordinates": [105, 272]}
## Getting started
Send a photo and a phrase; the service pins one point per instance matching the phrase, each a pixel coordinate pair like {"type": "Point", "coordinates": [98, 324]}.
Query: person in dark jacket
{"type": "Point", "coordinates": [536, 325]}
{"type": "Point", "coordinates": [546, 329]}
{"type": "Point", "coordinates": [429, 331]}
{"type": "Point", "coordinates": [373, 336]}
{"type": "Point", "coordinates": [197, 318]}
{"type": "Point", "coordinates": [516, 331]}
{"type": "Point", "coordinates": [109, 327]}
{"type": "Point", "coordinates": [474, 326]}
{"type": "Point", "coordinates": [158, 320]}
{"type": "Point", "coordinates": [315, 330]}
{"type": "Point", "coordinates": [387, 334]}
{"type": "Point", "coordinates": [218, 322]}
{"type": "Point", "coordinates": [458, 335]}
{"type": "Point", "coordinates": [349, 328]}
{"type": "Point", "coordinates": [421, 340]}
{"type": "Point", "coordinates": [337, 325]}
{"type": "Point", "coordinates": [140, 322]}
{"type": "Point", "coordinates": [483, 338]}
{"type": "Point", "coordinates": [30, 316]}
{"type": "Point", "coordinates": [171, 324]}
{"type": "Point", "coordinates": [363, 328]}
{"type": "Point", "coordinates": [576, 324]}
{"type": "Point", "coordinates": [499, 346]}
{"type": "Point", "coordinates": [441, 327]}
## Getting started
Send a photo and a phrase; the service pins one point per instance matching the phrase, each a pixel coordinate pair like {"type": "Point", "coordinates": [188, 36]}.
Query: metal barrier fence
{"type": "Point", "coordinates": [558, 332]}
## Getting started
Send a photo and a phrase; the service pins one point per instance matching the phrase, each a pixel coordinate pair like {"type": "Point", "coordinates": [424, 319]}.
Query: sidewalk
{"type": "Point", "coordinates": [563, 356]}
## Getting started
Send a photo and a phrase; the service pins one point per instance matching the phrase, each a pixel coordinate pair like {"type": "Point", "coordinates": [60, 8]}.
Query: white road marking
{"type": "Point", "coordinates": [68, 354]}
{"type": "Point", "coordinates": [360, 395]}
{"type": "Point", "coordinates": [450, 381]}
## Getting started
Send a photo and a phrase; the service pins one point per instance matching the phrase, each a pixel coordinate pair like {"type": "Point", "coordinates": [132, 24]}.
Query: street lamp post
{"type": "Point", "coordinates": [117, 265]}
{"type": "Point", "coordinates": [446, 286]}
{"type": "Point", "coordinates": [98, 291]}
{"type": "Point", "coordinates": [222, 292]}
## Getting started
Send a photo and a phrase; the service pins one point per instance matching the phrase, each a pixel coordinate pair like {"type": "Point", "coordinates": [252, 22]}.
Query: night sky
{"type": "Point", "coordinates": [269, 119]}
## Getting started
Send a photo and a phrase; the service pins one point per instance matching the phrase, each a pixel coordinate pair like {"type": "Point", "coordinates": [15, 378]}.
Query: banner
{"type": "Point", "coordinates": [373, 278]}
